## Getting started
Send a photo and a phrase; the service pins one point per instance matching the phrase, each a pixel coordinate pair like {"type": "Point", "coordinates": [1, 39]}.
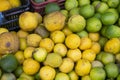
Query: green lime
{"type": "Point", "coordinates": [83, 2]}
{"type": "Point", "coordinates": [108, 18]}
{"type": "Point", "coordinates": [51, 7]}
{"type": "Point", "coordinates": [8, 63]}
{"type": "Point", "coordinates": [64, 12]}
{"type": "Point", "coordinates": [95, 3]}
{"type": "Point", "coordinates": [62, 76]}
{"type": "Point", "coordinates": [97, 15]}
{"type": "Point", "coordinates": [24, 76]}
{"type": "Point", "coordinates": [107, 58]}
{"type": "Point", "coordinates": [99, 56]}
{"type": "Point", "coordinates": [113, 3]}
{"type": "Point", "coordinates": [103, 31]}
{"type": "Point", "coordinates": [87, 11]}
{"type": "Point", "coordinates": [69, 4]}
{"type": "Point", "coordinates": [37, 76]}
{"type": "Point", "coordinates": [83, 33]}
{"type": "Point", "coordinates": [112, 70]}
{"type": "Point", "coordinates": [97, 73]}
{"type": "Point", "coordinates": [118, 77]}
{"type": "Point", "coordinates": [87, 77]}
{"type": "Point", "coordinates": [74, 11]}
{"type": "Point", "coordinates": [93, 24]}
{"type": "Point", "coordinates": [39, 1]}
{"type": "Point", "coordinates": [8, 76]}
{"type": "Point", "coordinates": [18, 71]}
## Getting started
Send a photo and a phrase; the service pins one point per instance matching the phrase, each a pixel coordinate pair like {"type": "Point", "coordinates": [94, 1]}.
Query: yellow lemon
{"type": "Point", "coordinates": [94, 36]}
{"type": "Point", "coordinates": [89, 54]}
{"type": "Point", "coordinates": [86, 77]}
{"type": "Point", "coordinates": [74, 54]}
{"type": "Point", "coordinates": [39, 17]}
{"type": "Point", "coordinates": [28, 52]}
{"type": "Point", "coordinates": [60, 49]}
{"type": "Point", "coordinates": [23, 43]}
{"type": "Point", "coordinates": [33, 40]}
{"type": "Point", "coordinates": [47, 73]}
{"type": "Point", "coordinates": [96, 47]}
{"type": "Point", "coordinates": [22, 34]}
{"type": "Point", "coordinates": [57, 36]}
{"type": "Point", "coordinates": [83, 67]}
{"type": "Point", "coordinates": [47, 43]}
{"type": "Point", "coordinates": [2, 30]}
{"type": "Point", "coordinates": [31, 66]}
{"type": "Point", "coordinates": [20, 56]}
{"type": "Point", "coordinates": [112, 45]}
{"type": "Point", "coordinates": [86, 43]}
{"type": "Point", "coordinates": [66, 30]}
{"type": "Point", "coordinates": [15, 3]}
{"type": "Point", "coordinates": [72, 41]}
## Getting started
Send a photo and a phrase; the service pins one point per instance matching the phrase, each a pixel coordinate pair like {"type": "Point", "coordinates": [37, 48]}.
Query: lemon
{"type": "Point", "coordinates": [67, 65]}
{"type": "Point", "coordinates": [83, 67]}
{"type": "Point", "coordinates": [31, 66]}
{"type": "Point", "coordinates": [94, 36]}
{"type": "Point", "coordinates": [73, 75]}
{"type": "Point", "coordinates": [23, 43]}
{"type": "Point", "coordinates": [47, 73]}
{"type": "Point", "coordinates": [60, 49]}
{"type": "Point", "coordinates": [96, 47]}
{"type": "Point", "coordinates": [112, 46]}
{"type": "Point", "coordinates": [15, 3]}
{"type": "Point", "coordinates": [89, 54]}
{"type": "Point", "coordinates": [22, 34]}
{"type": "Point", "coordinates": [2, 30]}
{"type": "Point", "coordinates": [20, 56]}
{"type": "Point", "coordinates": [62, 76]}
{"type": "Point", "coordinates": [86, 43]}
{"type": "Point", "coordinates": [47, 43]}
{"type": "Point", "coordinates": [72, 41]}
{"type": "Point", "coordinates": [33, 40]}
{"type": "Point", "coordinates": [74, 54]}
{"type": "Point", "coordinates": [87, 77]}
{"type": "Point", "coordinates": [66, 30]}
{"type": "Point", "coordinates": [39, 16]}
{"type": "Point", "coordinates": [28, 52]}
{"type": "Point", "coordinates": [57, 36]}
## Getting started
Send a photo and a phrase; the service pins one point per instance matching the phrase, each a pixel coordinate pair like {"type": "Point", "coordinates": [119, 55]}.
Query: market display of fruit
{"type": "Point", "coordinates": [78, 42]}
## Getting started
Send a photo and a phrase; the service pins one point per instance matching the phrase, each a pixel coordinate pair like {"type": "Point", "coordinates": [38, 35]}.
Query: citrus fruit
{"type": "Point", "coordinates": [111, 70]}
{"type": "Point", "coordinates": [62, 76]}
{"type": "Point", "coordinates": [28, 52]}
{"type": "Point", "coordinates": [37, 76]}
{"type": "Point", "coordinates": [74, 54]}
{"type": "Point", "coordinates": [82, 67]}
{"type": "Point", "coordinates": [113, 3]}
{"type": "Point", "coordinates": [86, 77]}
{"type": "Point", "coordinates": [39, 17]}
{"type": "Point", "coordinates": [22, 34]}
{"type": "Point", "coordinates": [15, 3]}
{"type": "Point", "coordinates": [18, 71]}
{"type": "Point", "coordinates": [65, 13]}
{"type": "Point", "coordinates": [107, 58]}
{"type": "Point", "coordinates": [47, 43]}
{"type": "Point", "coordinates": [97, 73]}
{"type": "Point", "coordinates": [23, 43]}
{"type": "Point", "coordinates": [20, 56]}
{"type": "Point", "coordinates": [8, 63]}
{"type": "Point", "coordinates": [53, 60]}
{"type": "Point", "coordinates": [93, 24]}
{"type": "Point", "coordinates": [8, 76]}
{"type": "Point", "coordinates": [47, 73]}
{"type": "Point", "coordinates": [72, 41]}
{"type": "Point", "coordinates": [83, 33]}
{"type": "Point", "coordinates": [57, 36]}
{"type": "Point", "coordinates": [60, 49]}
{"type": "Point", "coordinates": [96, 47]}
{"type": "Point", "coordinates": [86, 43]}
{"type": "Point", "coordinates": [83, 2]}
{"type": "Point", "coordinates": [25, 76]}
{"type": "Point", "coordinates": [73, 75]}
{"type": "Point", "coordinates": [2, 30]}
{"type": "Point", "coordinates": [97, 63]}
{"type": "Point", "coordinates": [51, 7]}
{"type": "Point", "coordinates": [69, 4]}
{"type": "Point", "coordinates": [117, 57]}
{"type": "Point", "coordinates": [31, 66]}
{"type": "Point", "coordinates": [89, 54]}
{"type": "Point", "coordinates": [76, 23]}
{"type": "Point", "coordinates": [39, 54]}
{"type": "Point", "coordinates": [94, 36]}
{"type": "Point", "coordinates": [67, 65]}
{"type": "Point", "coordinates": [99, 55]}
{"type": "Point", "coordinates": [33, 40]}
{"type": "Point", "coordinates": [74, 11]}
{"type": "Point", "coordinates": [108, 18]}
{"type": "Point", "coordinates": [87, 11]}
{"type": "Point", "coordinates": [112, 45]}
{"type": "Point", "coordinates": [66, 30]}
{"type": "Point", "coordinates": [97, 15]}
{"type": "Point", "coordinates": [118, 77]}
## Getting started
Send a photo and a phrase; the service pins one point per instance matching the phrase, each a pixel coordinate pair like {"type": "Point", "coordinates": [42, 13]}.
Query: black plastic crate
{"type": "Point", "coordinates": [9, 18]}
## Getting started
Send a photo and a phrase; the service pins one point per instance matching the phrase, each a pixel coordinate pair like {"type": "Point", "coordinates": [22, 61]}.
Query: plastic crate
{"type": "Point", "coordinates": [39, 7]}
{"type": "Point", "coordinates": [9, 18]}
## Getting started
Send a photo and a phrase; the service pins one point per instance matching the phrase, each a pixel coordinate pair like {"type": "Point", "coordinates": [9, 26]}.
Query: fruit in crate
{"type": "Point", "coordinates": [9, 43]}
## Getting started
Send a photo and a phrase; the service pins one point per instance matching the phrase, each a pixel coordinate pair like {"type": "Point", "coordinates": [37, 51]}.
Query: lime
{"type": "Point", "coordinates": [8, 76]}
{"type": "Point", "coordinates": [87, 11]}
{"type": "Point", "coordinates": [62, 76]}
{"type": "Point", "coordinates": [97, 73]}
{"type": "Point", "coordinates": [83, 2]}
{"type": "Point", "coordinates": [87, 77]}
{"type": "Point", "coordinates": [112, 70]}
{"type": "Point", "coordinates": [18, 71]}
{"type": "Point", "coordinates": [108, 18]}
{"type": "Point", "coordinates": [8, 63]}
{"type": "Point", "coordinates": [103, 31]}
{"type": "Point", "coordinates": [99, 56]}
{"type": "Point", "coordinates": [113, 3]}
{"type": "Point", "coordinates": [83, 33]}
{"type": "Point", "coordinates": [24, 76]}
{"type": "Point", "coordinates": [51, 7]}
{"type": "Point", "coordinates": [93, 24]}
{"type": "Point", "coordinates": [69, 4]}
{"type": "Point", "coordinates": [74, 11]}
{"type": "Point", "coordinates": [118, 77]}
{"type": "Point", "coordinates": [64, 12]}
{"type": "Point", "coordinates": [97, 15]}
{"type": "Point", "coordinates": [37, 76]}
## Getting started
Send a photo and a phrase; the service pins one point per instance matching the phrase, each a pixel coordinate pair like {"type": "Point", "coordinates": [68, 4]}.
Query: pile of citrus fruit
{"type": "Point", "coordinates": [79, 42]}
